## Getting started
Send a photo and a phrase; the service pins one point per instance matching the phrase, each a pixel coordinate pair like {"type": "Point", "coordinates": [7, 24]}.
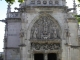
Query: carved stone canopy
{"type": "Point", "coordinates": [45, 28]}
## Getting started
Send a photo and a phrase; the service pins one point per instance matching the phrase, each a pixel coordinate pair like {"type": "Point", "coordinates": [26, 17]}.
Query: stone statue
{"type": "Point", "coordinates": [35, 33]}
{"type": "Point", "coordinates": [55, 31]}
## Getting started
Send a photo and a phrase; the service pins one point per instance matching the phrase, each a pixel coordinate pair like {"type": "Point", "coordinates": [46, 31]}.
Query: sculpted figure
{"type": "Point", "coordinates": [35, 33]}
{"type": "Point", "coordinates": [55, 31]}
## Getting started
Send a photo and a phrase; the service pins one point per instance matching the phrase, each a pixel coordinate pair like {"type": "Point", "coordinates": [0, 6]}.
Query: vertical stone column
{"type": "Point", "coordinates": [69, 57]}
{"type": "Point", "coordinates": [22, 38]}
{"type": "Point", "coordinates": [32, 56]}
{"type": "Point", "coordinates": [73, 39]}
{"type": "Point", "coordinates": [45, 56]}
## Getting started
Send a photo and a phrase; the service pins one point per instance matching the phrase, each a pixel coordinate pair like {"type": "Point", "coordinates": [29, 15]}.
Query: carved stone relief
{"type": "Point", "coordinates": [45, 46]}
{"type": "Point", "coordinates": [45, 2]}
{"type": "Point", "coordinates": [45, 28]}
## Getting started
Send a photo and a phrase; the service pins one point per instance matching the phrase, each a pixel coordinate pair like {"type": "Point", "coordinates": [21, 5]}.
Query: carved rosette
{"type": "Point", "coordinates": [45, 28]}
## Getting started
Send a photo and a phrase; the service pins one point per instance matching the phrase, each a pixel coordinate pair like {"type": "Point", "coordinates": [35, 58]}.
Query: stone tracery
{"type": "Point", "coordinates": [45, 28]}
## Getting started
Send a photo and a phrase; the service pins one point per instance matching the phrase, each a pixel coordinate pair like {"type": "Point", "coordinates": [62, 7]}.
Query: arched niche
{"type": "Point", "coordinates": [45, 28]}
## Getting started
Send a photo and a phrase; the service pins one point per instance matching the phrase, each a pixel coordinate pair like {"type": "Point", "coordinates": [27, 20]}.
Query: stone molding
{"type": "Point", "coordinates": [46, 8]}
{"type": "Point", "coordinates": [47, 41]}
{"type": "Point", "coordinates": [13, 20]}
{"type": "Point", "coordinates": [72, 20]}
{"type": "Point", "coordinates": [11, 48]}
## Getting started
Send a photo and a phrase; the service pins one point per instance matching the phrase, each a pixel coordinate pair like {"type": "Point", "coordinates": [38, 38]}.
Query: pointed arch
{"type": "Point", "coordinates": [44, 26]}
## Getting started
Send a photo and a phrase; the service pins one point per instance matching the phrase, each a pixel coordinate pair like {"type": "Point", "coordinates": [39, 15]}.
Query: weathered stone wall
{"type": "Point", "coordinates": [14, 28]}
{"type": "Point", "coordinates": [12, 41]}
{"type": "Point", "coordinates": [12, 54]}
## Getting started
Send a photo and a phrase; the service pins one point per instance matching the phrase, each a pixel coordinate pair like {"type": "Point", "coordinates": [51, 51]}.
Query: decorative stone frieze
{"type": "Point", "coordinates": [44, 3]}
{"type": "Point", "coordinates": [38, 2]}
{"type": "Point", "coordinates": [45, 46]}
{"type": "Point", "coordinates": [14, 15]}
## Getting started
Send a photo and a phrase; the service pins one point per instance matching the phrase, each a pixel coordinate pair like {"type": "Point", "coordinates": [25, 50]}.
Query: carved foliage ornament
{"type": "Point", "coordinates": [45, 28]}
{"type": "Point", "coordinates": [45, 46]}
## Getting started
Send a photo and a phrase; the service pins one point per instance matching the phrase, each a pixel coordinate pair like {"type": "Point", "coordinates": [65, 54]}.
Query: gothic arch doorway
{"type": "Point", "coordinates": [45, 37]}
{"type": "Point", "coordinates": [47, 56]}
{"type": "Point", "coordinates": [38, 56]}
{"type": "Point", "coordinates": [52, 56]}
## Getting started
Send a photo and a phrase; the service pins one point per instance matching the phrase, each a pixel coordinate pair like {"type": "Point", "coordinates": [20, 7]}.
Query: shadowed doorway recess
{"type": "Point", "coordinates": [38, 56]}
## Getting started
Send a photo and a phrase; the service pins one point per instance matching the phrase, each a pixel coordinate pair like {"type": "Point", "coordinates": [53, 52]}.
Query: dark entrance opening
{"type": "Point", "coordinates": [38, 56]}
{"type": "Point", "coordinates": [52, 56]}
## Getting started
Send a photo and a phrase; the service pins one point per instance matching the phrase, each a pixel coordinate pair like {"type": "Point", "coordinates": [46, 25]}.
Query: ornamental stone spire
{"type": "Point", "coordinates": [8, 10]}
{"type": "Point", "coordinates": [74, 6]}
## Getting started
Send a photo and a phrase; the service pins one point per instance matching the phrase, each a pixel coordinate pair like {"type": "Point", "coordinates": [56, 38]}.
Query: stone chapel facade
{"type": "Point", "coordinates": [41, 30]}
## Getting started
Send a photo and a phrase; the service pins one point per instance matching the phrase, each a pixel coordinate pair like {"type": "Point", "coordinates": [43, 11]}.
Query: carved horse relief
{"type": "Point", "coordinates": [45, 28]}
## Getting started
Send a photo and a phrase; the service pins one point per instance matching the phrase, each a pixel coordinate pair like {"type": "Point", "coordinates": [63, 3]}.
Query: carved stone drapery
{"type": "Point", "coordinates": [45, 46]}
{"type": "Point", "coordinates": [45, 28]}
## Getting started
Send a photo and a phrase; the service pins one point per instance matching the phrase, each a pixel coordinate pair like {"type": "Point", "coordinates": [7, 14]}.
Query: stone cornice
{"type": "Point", "coordinates": [13, 19]}
{"type": "Point", "coordinates": [72, 20]}
{"type": "Point", "coordinates": [3, 20]}
{"type": "Point", "coordinates": [23, 9]}
{"type": "Point", "coordinates": [22, 45]}
{"type": "Point", "coordinates": [46, 51]}
{"type": "Point", "coordinates": [13, 34]}
{"type": "Point", "coordinates": [45, 6]}
{"type": "Point", "coordinates": [11, 48]}
{"type": "Point", "coordinates": [46, 41]}
{"type": "Point", "coordinates": [72, 46]}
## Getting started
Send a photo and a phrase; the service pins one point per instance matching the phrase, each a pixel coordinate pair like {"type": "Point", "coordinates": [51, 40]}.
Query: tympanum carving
{"type": "Point", "coordinates": [45, 28]}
